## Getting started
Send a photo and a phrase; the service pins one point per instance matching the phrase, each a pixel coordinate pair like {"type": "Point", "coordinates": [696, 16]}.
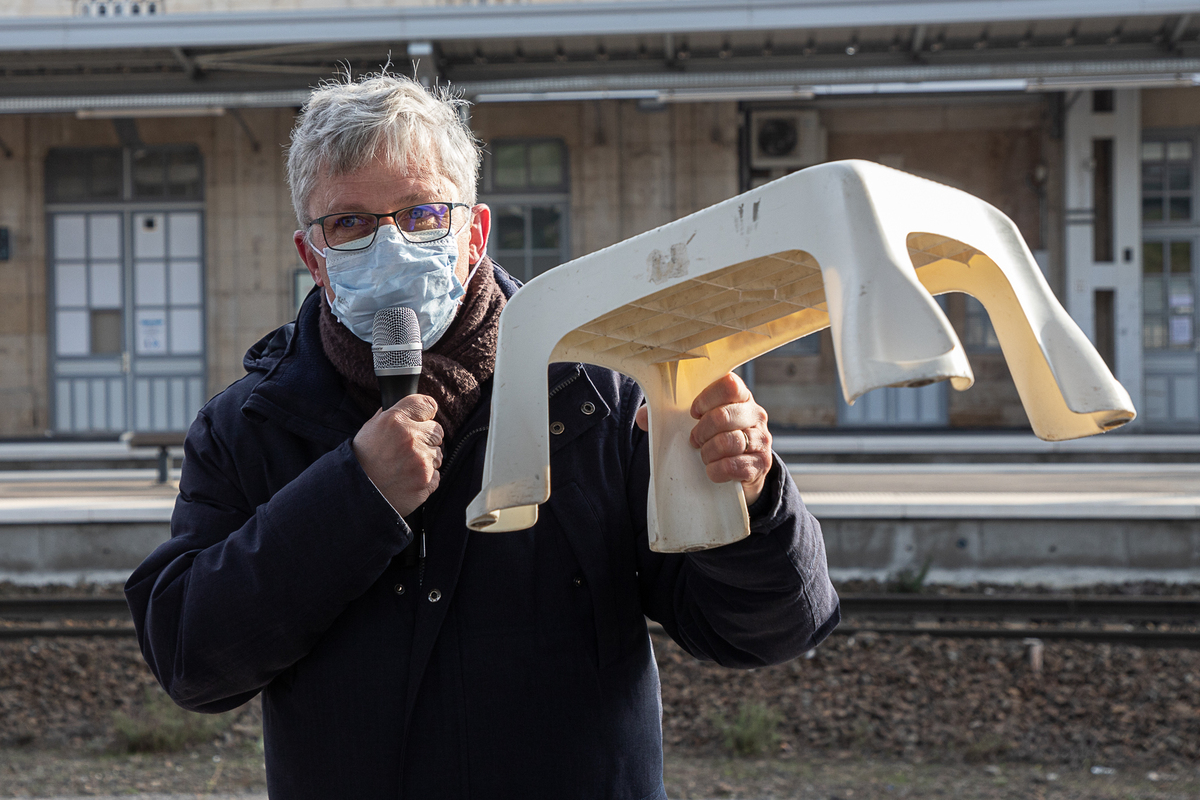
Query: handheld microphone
{"type": "Point", "coordinates": [396, 351]}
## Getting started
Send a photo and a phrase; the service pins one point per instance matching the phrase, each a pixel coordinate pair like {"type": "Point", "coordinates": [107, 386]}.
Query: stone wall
{"type": "Point", "coordinates": [250, 259]}
{"type": "Point", "coordinates": [630, 170]}
{"type": "Point", "coordinates": [1170, 108]}
{"type": "Point", "coordinates": [989, 148]}
{"type": "Point", "coordinates": [23, 383]}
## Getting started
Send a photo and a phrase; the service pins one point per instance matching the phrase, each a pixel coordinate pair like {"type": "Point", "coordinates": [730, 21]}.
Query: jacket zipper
{"type": "Point", "coordinates": [459, 447]}
{"type": "Point", "coordinates": [565, 383]}
{"type": "Point", "coordinates": [421, 559]}
{"type": "Point", "coordinates": [449, 464]}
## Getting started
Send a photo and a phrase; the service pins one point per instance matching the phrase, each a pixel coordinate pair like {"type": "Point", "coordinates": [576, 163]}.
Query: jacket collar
{"type": "Point", "coordinates": [301, 390]}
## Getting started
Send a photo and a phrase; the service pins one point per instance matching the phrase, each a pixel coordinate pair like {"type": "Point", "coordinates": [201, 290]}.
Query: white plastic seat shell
{"type": "Point", "coordinates": [850, 245]}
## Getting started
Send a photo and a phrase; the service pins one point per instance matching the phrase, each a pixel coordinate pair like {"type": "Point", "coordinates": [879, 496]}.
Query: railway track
{"type": "Point", "coordinates": [1144, 621]}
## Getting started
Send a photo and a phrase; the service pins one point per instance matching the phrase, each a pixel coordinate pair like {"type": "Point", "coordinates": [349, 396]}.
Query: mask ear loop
{"type": "Point", "coordinates": [475, 266]}
{"type": "Point", "coordinates": [471, 274]}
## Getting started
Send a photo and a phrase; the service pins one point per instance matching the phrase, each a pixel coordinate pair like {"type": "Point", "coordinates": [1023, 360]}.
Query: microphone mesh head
{"type": "Point", "coordinates": [395, 326]}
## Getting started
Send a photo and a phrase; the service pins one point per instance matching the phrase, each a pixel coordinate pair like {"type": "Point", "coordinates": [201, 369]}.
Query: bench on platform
{"type": "Point", "coordinates": [163, 440]}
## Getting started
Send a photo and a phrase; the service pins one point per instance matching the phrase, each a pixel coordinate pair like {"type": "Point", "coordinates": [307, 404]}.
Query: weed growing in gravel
{"type": "Point", "coordinates": [163, 727]}
{"type": "Point", "coordinates": [909, 582]}
{"type": "Point", "coordinates": [988, 747]}
{"type": "Point", "coordinates": [753, 732]}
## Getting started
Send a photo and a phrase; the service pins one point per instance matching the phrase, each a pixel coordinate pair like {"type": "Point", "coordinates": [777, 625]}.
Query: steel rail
{"type": "Point", "coordinates": [860, 611]}
{"type": "Point", "coordinates": [42, 608]}
{"type": "Point", "coordinates": [58, 631]}
{"type": "Point", "coordinates": [961, 606]}
{"type": "Point", "coordinates": [979, 606]}
{"type": "Point", "coordinates": [1163, 639]}
{"type": "Point", "coordinates": [1139, 638]}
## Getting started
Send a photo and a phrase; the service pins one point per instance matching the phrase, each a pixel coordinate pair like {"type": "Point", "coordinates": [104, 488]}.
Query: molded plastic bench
{"type": "Point", "coordinates": [850, 245]}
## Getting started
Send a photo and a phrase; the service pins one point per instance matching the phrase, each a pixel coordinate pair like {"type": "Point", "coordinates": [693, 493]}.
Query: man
{"type": "Point", "coordinates": [319, 552]}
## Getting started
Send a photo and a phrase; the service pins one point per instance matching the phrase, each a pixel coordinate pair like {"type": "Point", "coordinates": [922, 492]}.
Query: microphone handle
{"type": "Point", "coordinates": [395, 388]}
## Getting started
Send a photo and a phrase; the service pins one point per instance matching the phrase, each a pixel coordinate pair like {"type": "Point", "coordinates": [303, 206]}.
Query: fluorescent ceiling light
{"type": "Point", "coordinates": [808, 92]}
{"type": "Point", "coordinates": [747, 93]}
{"type": "Point", "coordinates": [924, 87]}
{"type": "Point", "coordinates": [582, 94]}
{"type": "Point", "coordinates": [1114, 82]}
{"type": "Point", "coordinates": [145, 113]}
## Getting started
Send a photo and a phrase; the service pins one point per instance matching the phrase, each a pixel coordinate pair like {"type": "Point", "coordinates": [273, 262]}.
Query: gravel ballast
{"type": "Point", "coordinates": [906, 701]}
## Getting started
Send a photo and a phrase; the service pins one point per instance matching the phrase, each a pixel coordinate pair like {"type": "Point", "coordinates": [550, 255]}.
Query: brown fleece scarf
{"type": "Point", "coordinates": [453, 370]}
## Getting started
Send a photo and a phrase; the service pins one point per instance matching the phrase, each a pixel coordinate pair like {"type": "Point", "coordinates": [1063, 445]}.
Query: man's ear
{"type": "Point", "coordinates": [308, 257]}
{"type": "Point", "coordinates": [481, 226]}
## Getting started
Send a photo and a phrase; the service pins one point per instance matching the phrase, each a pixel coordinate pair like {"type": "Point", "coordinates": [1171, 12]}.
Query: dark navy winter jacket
{"type": "Point", "coordinates": [502, 665]}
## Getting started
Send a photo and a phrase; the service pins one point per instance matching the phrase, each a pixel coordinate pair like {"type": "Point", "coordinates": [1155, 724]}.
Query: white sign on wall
{"type": "Point", "coordinates": [151, 334]}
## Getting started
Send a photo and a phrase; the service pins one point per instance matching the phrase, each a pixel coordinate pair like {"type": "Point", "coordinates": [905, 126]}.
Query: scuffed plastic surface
{"type": "Point", "coordinates": [853, 246]}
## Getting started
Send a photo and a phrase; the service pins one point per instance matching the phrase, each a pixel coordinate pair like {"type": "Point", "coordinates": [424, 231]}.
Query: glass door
{"type": "Point", "coordinates": [1172, 359]}
{"type": "Point", "coordinates": [126, 296]}
{"type": "Point", "coordinates": [88, 344]}
{"type": "Point", "coordinates": [1170, 282]}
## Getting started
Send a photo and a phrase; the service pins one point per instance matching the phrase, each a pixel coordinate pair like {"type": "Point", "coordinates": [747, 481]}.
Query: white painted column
{"type": "Point", "coordinates": [1123, 275]}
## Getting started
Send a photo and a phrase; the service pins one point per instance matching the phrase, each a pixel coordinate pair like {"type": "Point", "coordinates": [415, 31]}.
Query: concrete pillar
{"type": "Point", "coordinates": [1084, 274]}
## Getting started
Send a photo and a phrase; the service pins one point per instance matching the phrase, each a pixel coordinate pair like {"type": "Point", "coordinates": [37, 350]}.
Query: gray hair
{"type": "Point", "coordinates": [346, 124]}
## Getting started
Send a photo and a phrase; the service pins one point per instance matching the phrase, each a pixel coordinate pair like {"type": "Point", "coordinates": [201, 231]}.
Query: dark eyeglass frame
{"type": "Point", "coordinates": [320, 221]}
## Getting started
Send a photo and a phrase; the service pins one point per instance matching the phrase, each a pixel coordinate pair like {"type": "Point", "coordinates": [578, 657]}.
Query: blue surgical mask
{"type": "Point", "coordinates": [395, 272]}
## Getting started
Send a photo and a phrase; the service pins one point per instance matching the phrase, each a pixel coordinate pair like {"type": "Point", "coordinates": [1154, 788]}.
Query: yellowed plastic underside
{"type": "Point", "coordinates": [945, 265]}
{"type": "Point", "coordinates": [667, 309]}
{"type": "Point", "coordinates": [680, 322]}
{"type": "Point", "coordinates": [733, 315]}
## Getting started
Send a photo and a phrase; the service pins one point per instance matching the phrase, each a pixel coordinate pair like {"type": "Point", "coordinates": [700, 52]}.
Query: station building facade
{"type": "Point", "coordinates": [145, 222]}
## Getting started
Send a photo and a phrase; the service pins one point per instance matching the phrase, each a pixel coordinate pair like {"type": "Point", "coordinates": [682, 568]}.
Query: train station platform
{"type": "Point", "coordinates": [1030, 521]}
{"type": "Point", "coordinates": [164, 797]}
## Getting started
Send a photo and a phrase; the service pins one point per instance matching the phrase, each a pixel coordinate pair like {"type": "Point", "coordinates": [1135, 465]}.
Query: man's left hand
{"type": "Point", "coordinates": [731, 435]}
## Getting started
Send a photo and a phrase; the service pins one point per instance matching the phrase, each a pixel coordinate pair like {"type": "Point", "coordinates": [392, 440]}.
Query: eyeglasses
{"type": "Point", "coordinates": [356, 230]}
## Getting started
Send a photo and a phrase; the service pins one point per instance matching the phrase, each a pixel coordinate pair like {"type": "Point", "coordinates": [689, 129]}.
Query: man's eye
{"type": "Point", "coordinates": [425, 215]}
{"type": "Point", "coordinates": [350, 221]}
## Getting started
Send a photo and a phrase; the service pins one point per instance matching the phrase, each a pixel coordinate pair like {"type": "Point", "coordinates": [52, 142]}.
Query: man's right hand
{"type": "Point", "coordinates": [400, 449]}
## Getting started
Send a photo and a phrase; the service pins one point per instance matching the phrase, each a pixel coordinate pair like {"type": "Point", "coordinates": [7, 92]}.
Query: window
{"type": "Point", "coordinates": [1170, 281]}
{"type": "Point", "coordinates": [76, 176]}
{"type": "Point", "coordinates": [302, 284]}
{"type": "Point", "coordinates": [979, 335]}
{"type": "Point", "coordinates": [125, 285]}
{"type": "Point", "coordinates": [1168, 304]}
{"type": "Point", "coordinates": [171, 174]}
{"type": "Point", "coordinates": [525, 183]}
{"type": "Point", "coordinates": [525, 166]}
{"type": "Point", "coordinates": [88, 175]}
{"type": "Point", "coordinates": [1167, 181]}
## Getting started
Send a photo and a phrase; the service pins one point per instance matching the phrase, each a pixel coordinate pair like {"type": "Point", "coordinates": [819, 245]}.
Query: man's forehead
{"type": "Point", "coordinates": [378, 187]}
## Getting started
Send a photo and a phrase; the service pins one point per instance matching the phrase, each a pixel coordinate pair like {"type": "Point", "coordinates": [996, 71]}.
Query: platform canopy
{"type": "Point", "coordinates": [156, 61]}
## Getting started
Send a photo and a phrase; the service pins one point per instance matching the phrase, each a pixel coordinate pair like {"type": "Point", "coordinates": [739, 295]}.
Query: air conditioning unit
{"type": "Point", "coordinates": [787, 138]}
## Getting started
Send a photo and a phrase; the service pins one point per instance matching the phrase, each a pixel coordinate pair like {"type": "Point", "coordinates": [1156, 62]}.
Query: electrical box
{"type": "Point", "coordinates": [788, 138]}
{"type": "Point", "coordinates": [4, 246]}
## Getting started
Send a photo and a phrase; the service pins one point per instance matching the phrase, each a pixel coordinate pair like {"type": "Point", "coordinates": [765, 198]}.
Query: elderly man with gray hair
{"type": "Point", "coordinates": [319, 553]}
